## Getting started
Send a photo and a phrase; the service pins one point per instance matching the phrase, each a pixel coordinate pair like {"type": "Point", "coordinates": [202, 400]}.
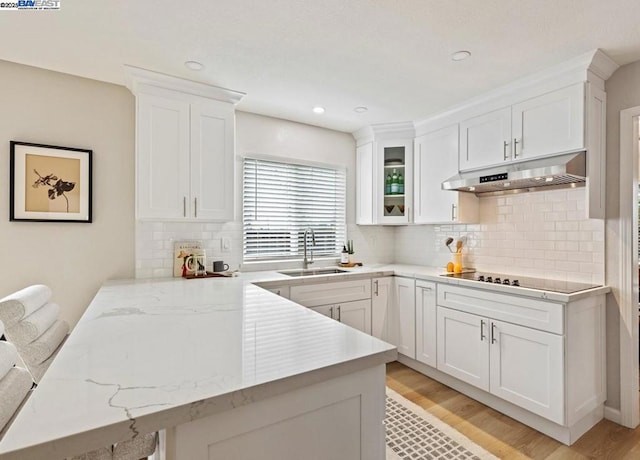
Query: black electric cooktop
{"type": "Point", "coordinates": [541, 284]}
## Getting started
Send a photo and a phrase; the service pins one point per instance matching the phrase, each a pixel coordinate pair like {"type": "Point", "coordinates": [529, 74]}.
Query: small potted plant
{"type": "Point", "coordinates": [350, 250]}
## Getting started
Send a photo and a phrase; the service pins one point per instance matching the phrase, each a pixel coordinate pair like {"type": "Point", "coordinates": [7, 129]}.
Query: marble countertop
{"type": "Point", "coordinates": [149, 354]}
{"type": "Point", "coordinates": [418, 272]}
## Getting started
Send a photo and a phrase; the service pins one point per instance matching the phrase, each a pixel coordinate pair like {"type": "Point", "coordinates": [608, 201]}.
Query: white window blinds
{"type": "Point", "coordinates": [280, 200]}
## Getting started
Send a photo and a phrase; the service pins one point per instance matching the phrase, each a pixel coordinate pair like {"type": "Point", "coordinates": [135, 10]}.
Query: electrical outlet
{"type": "Point", "coordinates": [226, 244]}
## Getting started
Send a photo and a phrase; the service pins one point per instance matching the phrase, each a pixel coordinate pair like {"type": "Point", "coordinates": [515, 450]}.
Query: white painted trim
{"type": "Point", "coordinates": [137, 77]}
{"type": "Point", "coordinates": [594, 66]}
{"type": "Point", "coordinates": [565, 434]}
{"type": "Point", "coordinates": [627, 285]}
{"type": "Point", "coordinates": [612, 414]}
{"type": "Point", "coordinates": [397, 130]}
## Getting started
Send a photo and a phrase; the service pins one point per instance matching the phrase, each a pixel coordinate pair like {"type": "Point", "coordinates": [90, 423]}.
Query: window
{"type": "Point", "coordinates": [280, 200]}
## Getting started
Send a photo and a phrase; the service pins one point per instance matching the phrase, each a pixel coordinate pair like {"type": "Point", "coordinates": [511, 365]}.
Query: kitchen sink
{"type": "Point", "coordinates": [312, 271]}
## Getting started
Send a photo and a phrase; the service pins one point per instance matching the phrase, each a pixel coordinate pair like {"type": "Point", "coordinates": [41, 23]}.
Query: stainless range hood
{"type": "Point", "coordinates": [567, 170]}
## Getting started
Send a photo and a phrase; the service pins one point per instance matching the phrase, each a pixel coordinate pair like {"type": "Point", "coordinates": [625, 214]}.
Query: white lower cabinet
{"type": "Point", "coordinates": [393, 316]}
{"type": "Point", "coordinates": [282, 291]}
{"type": "Point", "coordinates": [326, 310]}
{"type": "Point", "coordinates": [356, 314]}
{"type": "Point", "coordinates": [350, 301]}
{"type": "Point", "coordinates": [401, 329]}
{"type": "Point", "coordinates": [426, 324]}
{"type": "Point", "coordinates": [381, 299]}
{"type": "Point", "coordinates": [526, 368]}
{"type": "Point", "coordinates": [519, 364]}
{"type": "Point", "coordinates": [463, 347]}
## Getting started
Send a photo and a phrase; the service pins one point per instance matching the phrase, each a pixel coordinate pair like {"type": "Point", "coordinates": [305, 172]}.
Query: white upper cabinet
{"type": "Point", "coordinates": [435, 160]}
{"type": "Point", "coordinates": [384, 174]}
{"type": "Point", "coordinates": [212, 160]}
{"type": "Point", "coordinates": [184, 148]}
{"type": "Point", "coordinates": [549, 124]}
{"type": "Point", "coordinates": [162, 166]}
{"type": "Point", "coordinates": [364, 184]}
{"type": "Point", "coordinates": [393, 185]}
{"type": "Point", "coordinates": [485, 140]}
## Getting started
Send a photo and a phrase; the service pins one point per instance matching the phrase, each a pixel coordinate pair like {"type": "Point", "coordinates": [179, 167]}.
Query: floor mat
{"type": "Point", "coordinates": [414, 434]}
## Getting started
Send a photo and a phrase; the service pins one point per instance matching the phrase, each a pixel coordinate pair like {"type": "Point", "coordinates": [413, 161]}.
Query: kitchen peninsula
{"type": "Point", "coordinates": [223, 365]}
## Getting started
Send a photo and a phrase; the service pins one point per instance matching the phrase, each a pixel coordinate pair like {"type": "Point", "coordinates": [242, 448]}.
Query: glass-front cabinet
{"type": "Point", "coordinates": [394, 181]}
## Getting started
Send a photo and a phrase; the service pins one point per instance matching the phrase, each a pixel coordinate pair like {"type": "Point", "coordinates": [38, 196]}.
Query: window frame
{"type": "Point", "coordinates": [341, 233]}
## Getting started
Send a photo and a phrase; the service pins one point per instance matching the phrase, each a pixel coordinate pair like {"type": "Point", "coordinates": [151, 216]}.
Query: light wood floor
{"type": "Point", "coordinates": [503, 436]}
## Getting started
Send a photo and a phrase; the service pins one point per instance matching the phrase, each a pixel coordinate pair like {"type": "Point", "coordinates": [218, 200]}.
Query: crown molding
{"type": "Point", "coordinates": [138, 78]}
{"type": "Point", "coordinates": [582, 68]}
{"type": "Point", "coordinates": [602, 65]}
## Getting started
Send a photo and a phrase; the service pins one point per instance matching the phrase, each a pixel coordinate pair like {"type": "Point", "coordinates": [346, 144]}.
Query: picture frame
{"type": "Point", "coordinates": [49, 183]}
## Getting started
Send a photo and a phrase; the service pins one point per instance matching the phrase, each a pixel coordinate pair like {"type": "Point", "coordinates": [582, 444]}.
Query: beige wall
{"type": "Point", "coordinates": [46, 107]}
{"type": "Point", "coordinates": [623, 91]}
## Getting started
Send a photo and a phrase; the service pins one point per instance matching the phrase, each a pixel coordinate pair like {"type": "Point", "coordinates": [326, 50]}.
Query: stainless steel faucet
{"type": "Point", "coordinates": [306, 262]}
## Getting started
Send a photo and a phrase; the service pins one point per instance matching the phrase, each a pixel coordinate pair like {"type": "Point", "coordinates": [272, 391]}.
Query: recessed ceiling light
{"type": "Point", "coordinates": [360, 109]}
{"type": "Point", "coordinates": [194, 65]}
{"type": "Point", "coordinates": [471, 189]}
{"type": "Point", "coordinates": [460, 55]}
{"type": "Point", "coordinates": [506, 184]}
{"type": "Point", "coordinates": [318, 109]}
{"type": "Point", "coordinates": [548, 179]}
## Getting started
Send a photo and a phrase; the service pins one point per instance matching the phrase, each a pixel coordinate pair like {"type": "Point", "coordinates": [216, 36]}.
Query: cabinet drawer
{"type": "Point", "coordinates": [537, 314]}
{"type": "Point", "coordinates": [312, 295]}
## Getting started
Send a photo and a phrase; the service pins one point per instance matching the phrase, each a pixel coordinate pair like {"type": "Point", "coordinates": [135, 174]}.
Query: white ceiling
{"type": "Point", "coordinates": [391, 56]}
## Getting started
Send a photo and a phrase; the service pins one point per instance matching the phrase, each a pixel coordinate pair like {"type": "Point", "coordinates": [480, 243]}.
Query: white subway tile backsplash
{"type": "Point", "coordinates": [155, 241]}
{"type": "Point", "coordinates": [539, 234]}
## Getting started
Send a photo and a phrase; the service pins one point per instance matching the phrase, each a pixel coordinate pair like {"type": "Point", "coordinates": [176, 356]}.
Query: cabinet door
{"type": "Point", "coordinates": [282, 291]}
{"type": "Point", "coordinates": [527, 369]}
{"type": "Point", "coordinates": [326, 310]}
{"type": "Point", "coordinates": [162, 158]}
{"type": "Point", "coordinates": [548, 124]}
{"type": "Point", "coordinates": [212, 160]}
{"type": "Point", "coordinates": [355, 314]}
{"type": "Point", "coordinates": [463, 346]}
{"type": "Point", "coordinates": [381, 298]}
{"type": "Point", "coordinates": [435, 160]}
{"type": "Point", "coordinates": [364, 185]}
{"type": "Point", "coordinates": [402, 317]}
{"type": "Point", "coordinates": [485, 140]}
{"type": "Point", "coordinates": [312, 295]}
{"type": "Point", "coordinates": [394, 158]}
{"type": "Point", "coordinates": [426, 323]}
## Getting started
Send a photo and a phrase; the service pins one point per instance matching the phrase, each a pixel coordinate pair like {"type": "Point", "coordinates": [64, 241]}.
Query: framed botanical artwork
{"type": "Point", "coordinates": [49, 183]}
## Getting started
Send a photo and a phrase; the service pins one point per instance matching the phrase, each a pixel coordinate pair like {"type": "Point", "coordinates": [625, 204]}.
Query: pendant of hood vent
{"type": "Point", "coordinates": [559, 171]}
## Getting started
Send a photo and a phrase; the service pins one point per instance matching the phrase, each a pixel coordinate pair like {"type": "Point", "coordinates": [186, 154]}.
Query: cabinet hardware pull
{"type": "Point", "coordinates": [331, 312]}
{"type": "Point", "coordinates": [425, 288]}
{"type": "Point", "coordinates": [481, 330]}
{"type": "Point", "coordinates": [375, 283]}
{"type": "Point", "coordinates": [453, 212]}
{"type": "Point", "coordinates": [184, 206]}
{"type": "Point", "coordinates": [505, 144]}
{"type": "Point", "coordinates": [515, 148]}
{"type": "Point", "coordinates": [195, 206]}
{"type": "Point", "coordinates": [339, 314]}
{"type": "Point", "coordinates": [493, 336]}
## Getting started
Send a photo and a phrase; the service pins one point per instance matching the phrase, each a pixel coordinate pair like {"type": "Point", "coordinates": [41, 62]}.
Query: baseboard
{"type": "Point", "coordinates": [613, 414]}
{"type": "Point", "coordinates": [564, 434]}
